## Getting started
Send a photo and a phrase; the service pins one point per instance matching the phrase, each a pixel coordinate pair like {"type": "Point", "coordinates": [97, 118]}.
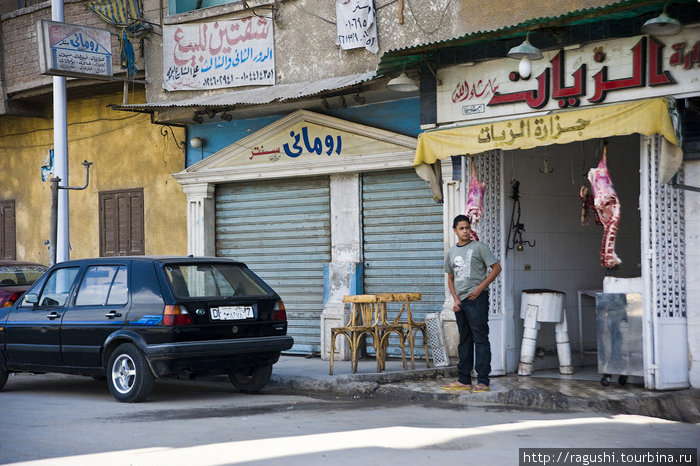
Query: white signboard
{"type": "Point", "coordinates": [73, 50]}
{"type": "Point", "coordinates": [218, 54]}
{"type": "Point", "coordinates": [356, 22]}
{"type": "Point", "coordinates": [604, 72]}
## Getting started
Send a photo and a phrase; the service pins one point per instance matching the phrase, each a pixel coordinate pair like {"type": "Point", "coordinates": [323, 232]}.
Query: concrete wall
{"type": "Point", "coordinates": [692, 267]}
{"type": "Point", "coordinates": [305, 32]}
{"type": "Point", "coordinates": [127, 152]}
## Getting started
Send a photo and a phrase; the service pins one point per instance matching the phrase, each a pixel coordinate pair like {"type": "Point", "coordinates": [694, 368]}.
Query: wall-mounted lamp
{"type": "Point", "coordinates": [226, 116]}
{"type": "Point", "coordinates": [662, 25]}
{"type": "Point", "coordinates": [525, 52]}
{"type": "Point", "coordinates": [359, 99]}
{"type": "Point", "coordinates": [197, 118]}
{"type": "Point", "coordinates": [198, 143]}
{"type": "Point", "coordinates": [341, 102]}
{"type": "Point", "coordinates": [402, 83]}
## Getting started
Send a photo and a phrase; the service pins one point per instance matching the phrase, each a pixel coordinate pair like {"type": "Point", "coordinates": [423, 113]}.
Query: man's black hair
{"type": "Point", "coordinates": [460, 218]}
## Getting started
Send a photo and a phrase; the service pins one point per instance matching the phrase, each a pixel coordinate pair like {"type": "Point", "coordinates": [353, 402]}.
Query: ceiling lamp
{"type": "Point", "coordinates": [662, 25]}
{"type": "Point", "coordinates": [525, 52]}
{"type": "Point", "coordinates": [402, 83]}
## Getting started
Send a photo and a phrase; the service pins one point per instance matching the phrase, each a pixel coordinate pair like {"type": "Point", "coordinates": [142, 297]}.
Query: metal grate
{"type": "Point", "coordinates": [667, 240]}
{"type": "Point", "coordinates": [488, 168]}
{"type": "Point", "coordinates": [436, 339]}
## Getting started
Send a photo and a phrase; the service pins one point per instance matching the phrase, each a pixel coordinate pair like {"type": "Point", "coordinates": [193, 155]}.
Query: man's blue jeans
{"type": "Point", "coordinates": [474, 349]}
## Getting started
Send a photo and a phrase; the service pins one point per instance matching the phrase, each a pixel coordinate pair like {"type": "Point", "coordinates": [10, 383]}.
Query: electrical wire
{"type": "Point", "coordinates": [415, 18]}
{"type": "Point", "coordinates": [35, 131]}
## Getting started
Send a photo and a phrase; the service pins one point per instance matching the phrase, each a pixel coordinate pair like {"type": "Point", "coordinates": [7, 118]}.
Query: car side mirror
{"type": "Point", "coordinates": [32, 298]}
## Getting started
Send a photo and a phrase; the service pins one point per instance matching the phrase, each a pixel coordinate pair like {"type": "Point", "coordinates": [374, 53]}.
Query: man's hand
{"type": "Point", "coordinates": [475, 294]}
{"type": "Point", "coordinates": [455, 306]}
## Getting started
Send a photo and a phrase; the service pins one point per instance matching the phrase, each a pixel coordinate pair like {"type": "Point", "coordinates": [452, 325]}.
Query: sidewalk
{"type": "Point", "coordinates": [541, 391]}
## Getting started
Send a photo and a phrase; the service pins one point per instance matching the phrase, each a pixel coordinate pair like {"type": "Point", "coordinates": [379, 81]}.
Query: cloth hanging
{"type": "Point", "coordinates": [126, 15]}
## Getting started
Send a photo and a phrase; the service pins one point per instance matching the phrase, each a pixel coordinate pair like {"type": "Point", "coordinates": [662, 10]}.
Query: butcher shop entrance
{"type": "Point", "coordinates": [554, 238]}
{"type": "Point", "coordinates": [538, 193]}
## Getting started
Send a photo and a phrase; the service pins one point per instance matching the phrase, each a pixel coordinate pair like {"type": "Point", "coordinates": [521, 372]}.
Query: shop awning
{"type": "Point", "coordinates": [647, 117]}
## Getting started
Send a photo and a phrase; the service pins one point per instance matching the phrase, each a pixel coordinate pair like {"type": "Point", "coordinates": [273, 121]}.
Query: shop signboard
{"type": "Point", "coordinates": [74, 50]}
{"type": "Point", "coordinates": [219, 54]}
{"type": "Point", "coordinates": [604, 72]}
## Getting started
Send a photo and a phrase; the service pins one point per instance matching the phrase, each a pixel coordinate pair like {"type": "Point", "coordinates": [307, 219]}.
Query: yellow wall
{"type": "Point", "coordinates": [127, 152]}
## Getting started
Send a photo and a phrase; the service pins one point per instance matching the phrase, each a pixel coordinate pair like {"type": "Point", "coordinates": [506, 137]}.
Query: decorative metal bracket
{"type": "Point", "coordinates": [516, 227]}
{"type": "Point", "coordinates": [169, 131]}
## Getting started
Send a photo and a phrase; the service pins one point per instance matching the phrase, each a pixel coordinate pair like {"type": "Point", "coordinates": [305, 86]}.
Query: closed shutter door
{"type": "Point", "coordinates": [281, 230]}
{"type": "Point", "coordinates": [121, 223]}
{"type": "Point", "coordinates": [403, 242]}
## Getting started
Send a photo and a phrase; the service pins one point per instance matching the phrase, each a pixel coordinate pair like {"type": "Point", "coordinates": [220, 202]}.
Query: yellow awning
{"type": "Point", "coordinates": [645, 117]}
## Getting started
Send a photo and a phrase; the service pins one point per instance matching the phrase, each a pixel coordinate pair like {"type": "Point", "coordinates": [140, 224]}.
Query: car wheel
{"type": "Point", "coordinates": [128, 376]}
{"type": "Point", "coordinates": [251, 380]}
{"type": "Point", "coordinates": [3, 376]}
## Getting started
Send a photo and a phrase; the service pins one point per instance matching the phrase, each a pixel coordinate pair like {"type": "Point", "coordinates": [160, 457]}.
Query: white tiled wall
{"type": "Point", "coordinates": [566, 256]}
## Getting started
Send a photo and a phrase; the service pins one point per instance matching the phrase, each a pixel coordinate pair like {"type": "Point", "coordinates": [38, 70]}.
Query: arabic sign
{"type": "Point", "coordinates": [611, 71]}
{"type": "Point", "coordinates": [306, 141]}
{"type": "Point", "coordinates": [356, 25]}
{"type": "Point", "coordinates": [219, 54]}
{"type": "Point", "coordinates": [73, 50]}
{"type": "Point", "coordinates": [644, 117]}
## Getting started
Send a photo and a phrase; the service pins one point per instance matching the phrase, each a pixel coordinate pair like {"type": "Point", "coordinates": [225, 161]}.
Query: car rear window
{"type": "Point", "coordinates": [212, 280]}
{"type": "Point", "coordinates": [11, 275]}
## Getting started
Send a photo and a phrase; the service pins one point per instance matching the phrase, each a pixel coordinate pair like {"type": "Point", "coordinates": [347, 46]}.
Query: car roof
{"type": "Point", "coordinates": [161, 259]}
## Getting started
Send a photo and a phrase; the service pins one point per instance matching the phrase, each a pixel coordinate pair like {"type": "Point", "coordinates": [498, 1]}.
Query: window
{"type": "Point", "coordinates": [103, 285]}
{"type": "Point", "coordinates": [181, 6]}
{"type": "Point", "coordinates": [121, 223]}
{"type": "Point", "coordinates": [8, 250]}
{"type": "Point", "coordinates": [58, 287]}
{"type": "Point", "coordinates": [212, 280]}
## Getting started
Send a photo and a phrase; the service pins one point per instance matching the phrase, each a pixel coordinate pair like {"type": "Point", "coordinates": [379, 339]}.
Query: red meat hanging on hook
{"type": "Point", "coordinates": [608, 207]}
{"type": "Point", "coordinates": [475, 202]}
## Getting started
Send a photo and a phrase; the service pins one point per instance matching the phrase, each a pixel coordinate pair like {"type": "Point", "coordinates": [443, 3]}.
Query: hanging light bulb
{"type": "Point", "coordinates": [525, 67]}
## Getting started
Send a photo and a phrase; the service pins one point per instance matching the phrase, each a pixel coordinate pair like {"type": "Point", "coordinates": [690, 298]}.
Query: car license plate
{"type": "Point", "coordinates": [232, 312]}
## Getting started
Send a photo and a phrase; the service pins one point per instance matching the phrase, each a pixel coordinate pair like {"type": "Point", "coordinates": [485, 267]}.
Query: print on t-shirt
{"type": "Point", "coordinates": [463, 266]}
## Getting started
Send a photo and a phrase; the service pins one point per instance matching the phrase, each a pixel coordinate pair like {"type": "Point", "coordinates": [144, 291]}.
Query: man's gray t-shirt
{"type": "Point", "coordinates": [469, 264]}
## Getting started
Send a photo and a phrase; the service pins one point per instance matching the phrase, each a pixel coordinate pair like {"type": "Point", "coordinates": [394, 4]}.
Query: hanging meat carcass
{"type": "Point", "coordinates": [475, 202]}
{"type": "Point", "coordinates": [608, 207]}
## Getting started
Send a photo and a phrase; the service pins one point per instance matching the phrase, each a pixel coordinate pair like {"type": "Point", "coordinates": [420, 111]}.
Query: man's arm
{"type": "Point", "coordinates": [495, 270]}
{"type": "Point", "coordinates": [453, 292]}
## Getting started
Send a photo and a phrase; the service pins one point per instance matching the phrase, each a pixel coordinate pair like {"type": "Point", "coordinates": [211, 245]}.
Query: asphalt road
{"type": "Point", "coordinates": [57, 419]}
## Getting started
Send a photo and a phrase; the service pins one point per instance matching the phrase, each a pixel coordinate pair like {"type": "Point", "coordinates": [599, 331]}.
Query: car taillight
{"type": "Point", "coordinates": [278, 312]}
{"type": "Point", "coordinates": [11, 300]}
{"type": "Point", "coordinates": [175, 315]}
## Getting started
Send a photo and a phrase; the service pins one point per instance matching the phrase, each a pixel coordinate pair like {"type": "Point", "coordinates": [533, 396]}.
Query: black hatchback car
{"type": "Point", "coordinates": [132, 319]}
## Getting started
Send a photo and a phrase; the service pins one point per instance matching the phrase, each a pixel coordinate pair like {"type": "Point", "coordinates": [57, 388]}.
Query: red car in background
{"type": "Point", "coordinates": [15, 278]}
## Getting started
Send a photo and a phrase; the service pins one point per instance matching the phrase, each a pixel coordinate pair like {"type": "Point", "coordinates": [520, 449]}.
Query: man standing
{"type": "Point", "coordinates": [466, 265]}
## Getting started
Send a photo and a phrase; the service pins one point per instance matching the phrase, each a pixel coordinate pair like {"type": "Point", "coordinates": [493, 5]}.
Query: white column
{"type": "Point", "coordinates": [201, 221]}
{"type": "Point", "coordinates": [453, 205]}
{"type": "Point", "coordinates": [343, 273]}
{"type": "Point", "coordinates": [692, 268]}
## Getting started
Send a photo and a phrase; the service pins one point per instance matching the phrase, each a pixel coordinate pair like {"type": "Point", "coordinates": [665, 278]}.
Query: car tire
{"type": "Point", "coordinates": [251, 380]}
{"type": "Point", "coordinates": [129, 378]}
{"type": "Point", "coordinates": [3, 376]}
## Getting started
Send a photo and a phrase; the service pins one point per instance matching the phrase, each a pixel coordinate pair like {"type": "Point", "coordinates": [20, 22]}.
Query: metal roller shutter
{"type": "Point", "coordinates": [402, 241]}
{"type": "Point", "coordinates": [281, 230]}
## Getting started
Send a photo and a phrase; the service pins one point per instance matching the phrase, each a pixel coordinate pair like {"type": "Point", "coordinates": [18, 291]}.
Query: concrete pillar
{"type": "Point", "coordinates": [201, 221]}
{"type": "Point", "coordinates": [343, 275]}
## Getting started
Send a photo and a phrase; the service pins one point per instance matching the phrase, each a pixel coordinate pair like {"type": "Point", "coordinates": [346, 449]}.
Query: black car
{"type": "Point", "coordinates": [132, 319]}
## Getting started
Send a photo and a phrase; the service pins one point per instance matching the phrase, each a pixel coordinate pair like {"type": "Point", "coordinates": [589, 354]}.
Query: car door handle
{"type": "Point", "coordinates": [53, 315]}
{"type": "Point", "coordinates": [113, 314]}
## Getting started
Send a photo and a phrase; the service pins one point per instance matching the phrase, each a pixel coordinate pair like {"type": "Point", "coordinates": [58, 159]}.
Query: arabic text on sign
{"type": "Point", "coordinates": [315, 146]}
